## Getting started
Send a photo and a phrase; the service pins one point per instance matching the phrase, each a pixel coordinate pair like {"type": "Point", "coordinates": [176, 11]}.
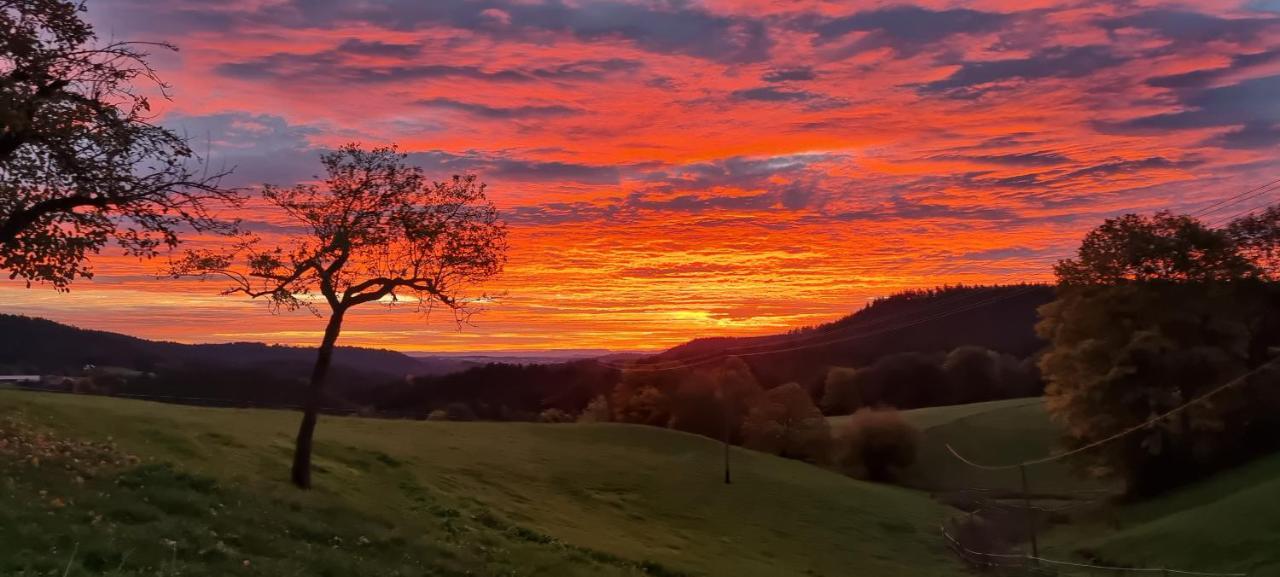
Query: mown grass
{"type": "Point", "coordinates": [206, 494]}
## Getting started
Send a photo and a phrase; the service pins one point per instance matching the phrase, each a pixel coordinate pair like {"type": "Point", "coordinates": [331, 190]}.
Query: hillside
{"type": "Point", "coordinates": [995, 432]}
{"type": "Point", "coordinates": [410, 498]}
{"type": "Point", "coordinates": [1230, 522]}
{"type": "Point", "coordinates": [1000, 318]}
{"type": "Point", "coordinates": [1222, 524]}
{"type": "Point", "coordinates": [33, 345]}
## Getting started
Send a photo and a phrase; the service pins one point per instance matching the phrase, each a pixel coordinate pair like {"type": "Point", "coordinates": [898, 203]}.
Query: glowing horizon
{"type": "Point", "coordinates": [673, 170]}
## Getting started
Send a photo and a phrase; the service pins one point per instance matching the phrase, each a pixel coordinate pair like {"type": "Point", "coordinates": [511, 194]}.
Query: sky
{"type": "Point", "coordinates": [672, 169]}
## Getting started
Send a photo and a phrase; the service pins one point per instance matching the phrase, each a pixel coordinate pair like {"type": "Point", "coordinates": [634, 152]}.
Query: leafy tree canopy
{"type": "Point", "coordinates": [81, 163]}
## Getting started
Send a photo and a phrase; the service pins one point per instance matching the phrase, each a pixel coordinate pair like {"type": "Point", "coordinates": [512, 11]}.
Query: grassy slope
{"type": "Point", "coordinates": [996, 432]}
{"type": "Point", "coordinates": [402, 496]}
{"type": "Point", "coordinates": [1230, 522]}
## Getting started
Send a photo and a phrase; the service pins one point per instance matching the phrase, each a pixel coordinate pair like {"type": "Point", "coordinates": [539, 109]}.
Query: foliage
{"type": "Point", "coordinates": [903, 380]}
{"type": "Point", "coordinates": [1000, 318]}
{"type": "Point", "coordinates": [555, 416]}
{"type": "Point", "coordinates": [840, 392]}
{"type": "Point", "coordinates": [1124, 354]}
{"type": "Point", "coordinates": [642, 397]}
{"type": "Point", "coordinates": [1162, 247]}
{"type": "Point", "coordinates": [1257, 238]}
{"type": "Point", "coordinates": [976, 374]}
{"type": "Point", "coordinates": [785, 422]}
{"type": "Point", "coordinates": [967, 374]}
{"type": "Point", "coordinates": [81, 164]}
{"type": "Point", "coordinates": [879, 442]}
{"type": "Point", "coordinates": [496, 391]}
{"type": "Point", "coordinates": [375, 229]}
{"type": "Point", "coordinates": [1153, 313]}
{"type": "Point", "coordinates": [597, 411]}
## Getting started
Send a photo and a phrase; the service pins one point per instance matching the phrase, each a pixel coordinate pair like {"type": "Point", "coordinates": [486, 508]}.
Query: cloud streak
{"type": "Point", "coordinates": [679, 168]}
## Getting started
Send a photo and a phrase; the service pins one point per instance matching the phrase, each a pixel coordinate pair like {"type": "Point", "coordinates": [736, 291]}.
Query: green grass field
{"type": "Point", "coordinates": [1228, 523]}
{"type": "Point", "coordinates": [118, 487]}
{"type": "Point", "coordinates": [996, 432]}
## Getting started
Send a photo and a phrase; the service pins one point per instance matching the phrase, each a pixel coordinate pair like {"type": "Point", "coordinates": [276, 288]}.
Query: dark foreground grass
{"type": "Point", "coordinates": [97, 486]}
{"type": "Point", "coordinates": [1228, 523]}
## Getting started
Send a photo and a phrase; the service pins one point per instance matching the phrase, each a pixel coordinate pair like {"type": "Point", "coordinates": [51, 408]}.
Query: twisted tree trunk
{"type": "Point", "coordinates": [311, 407]}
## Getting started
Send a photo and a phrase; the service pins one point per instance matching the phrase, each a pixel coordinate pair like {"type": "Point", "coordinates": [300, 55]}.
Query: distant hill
{"type": "Point", "coordinates": [34, 345]}
{"type": "Point", "coordinates": [1000, 318]}
{"type": "Point", "coordinates": [517, 357]}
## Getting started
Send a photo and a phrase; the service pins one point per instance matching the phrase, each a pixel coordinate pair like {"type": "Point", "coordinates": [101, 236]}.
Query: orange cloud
{"type": "Point", "coordinates": [675, 169]}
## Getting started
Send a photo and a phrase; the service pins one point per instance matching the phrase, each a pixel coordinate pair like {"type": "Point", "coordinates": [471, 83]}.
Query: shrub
{"type": "Point", "coordinates": [597, 411]}
{"type": "Point", "coordinates": [460, 412]}
{"type": "Point", "coordinates": [554, 415]}
{"type": "Point", "coordinates": [879, 442]}
{"type": "Point", "coordinates": [785, 422]}
{"type": "Point", "coordinates": [840, 392]}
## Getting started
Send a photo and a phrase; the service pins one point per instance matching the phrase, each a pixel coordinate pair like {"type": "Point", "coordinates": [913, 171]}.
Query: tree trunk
{"type": "Point", "coordinates": [311, 406]}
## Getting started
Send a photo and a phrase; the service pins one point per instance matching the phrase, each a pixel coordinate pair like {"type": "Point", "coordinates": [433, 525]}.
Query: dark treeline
{"type": "Point", "coordinates": [497, 391]}
{"type": "Point", "coordinates": [38, 346]}
{"type": "Point", "coordinates": [911, 380]}
{"type": "Point", "coordinates": [901, 368]}
{"type": "Point", "coordinates": [999, 318]}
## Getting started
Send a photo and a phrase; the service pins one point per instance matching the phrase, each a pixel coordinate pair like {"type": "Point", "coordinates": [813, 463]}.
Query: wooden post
{"type": "Point", "coordinates": [1031, 521]}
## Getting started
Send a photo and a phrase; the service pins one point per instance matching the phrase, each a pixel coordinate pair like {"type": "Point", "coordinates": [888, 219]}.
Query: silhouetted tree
{"type": "Point", "coordinates": [1163, 247]}
{"type": "Point", "coordinates": [903, 380]}
{"type": "Point", "coordinates": [1155, 312]}
{"type": "Point", "coordinates": [840, 394]}
{"type": "Point", "coordinates": [644, 397]}
{"type": "Point", "coordinates": [597, 411]}
{"type": "Point", "coordinates": [784, 421]}
{"type": "Point", "coordinates": [376, 230]}
{"type": "Point", "coordinates": [973, 373]}
{"type": "Point", "coordinates": [554, 415]}
{"type": "Point", "coordinates": [80, 162]}
{"type": "Point", "coordinates": [879, 441]}
{"type": "Point", "coordinates": [1257, 238]}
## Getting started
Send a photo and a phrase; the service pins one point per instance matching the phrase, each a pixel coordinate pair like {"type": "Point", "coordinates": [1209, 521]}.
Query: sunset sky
{"type": "Point", "coordinates": [672, 169]}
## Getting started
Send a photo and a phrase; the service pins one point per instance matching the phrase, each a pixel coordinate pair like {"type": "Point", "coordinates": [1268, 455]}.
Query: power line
{"type": "Point", "coordinates": [1228, 220]}
{"type": "Point", "coordinates": [1234, 199]}
{"type": "Point", "coordinates": [789, 342]}
{"type": "Point", "coordinates": [1202, 398]}
{"type": "Point", "coordinates": [718, 356]}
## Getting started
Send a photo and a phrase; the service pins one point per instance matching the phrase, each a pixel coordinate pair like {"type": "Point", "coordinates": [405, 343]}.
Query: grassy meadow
{"type": "Point", "coordinates": [995, 432]}
{"type": "Point", "coordinates": [98, 485]}
{"type": "Point", "coordinates": [1227, 523]}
